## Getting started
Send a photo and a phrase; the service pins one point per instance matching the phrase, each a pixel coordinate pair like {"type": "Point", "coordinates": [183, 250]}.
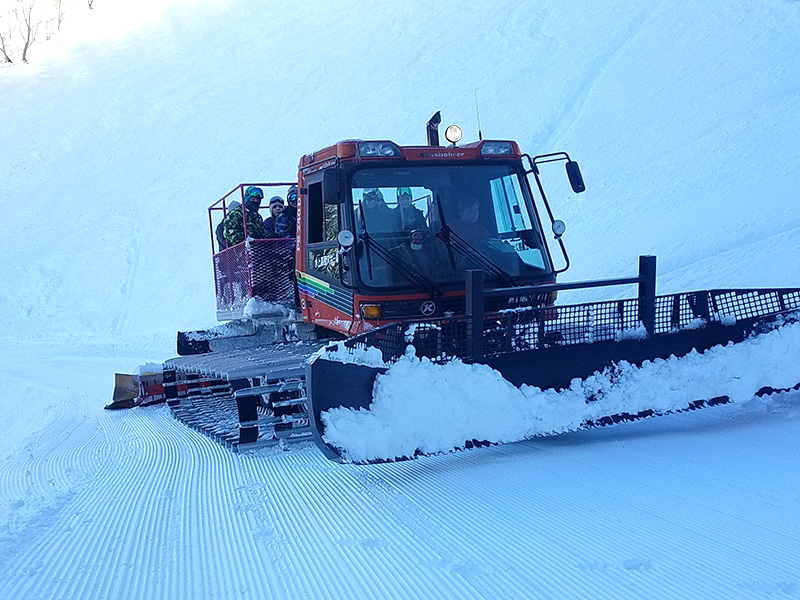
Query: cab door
{"type": "Point", "coordinates": [324, 300]}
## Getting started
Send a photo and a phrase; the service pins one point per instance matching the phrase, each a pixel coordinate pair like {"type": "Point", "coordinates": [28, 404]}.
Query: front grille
{"type": "Point", "coordinates": [454, 306]}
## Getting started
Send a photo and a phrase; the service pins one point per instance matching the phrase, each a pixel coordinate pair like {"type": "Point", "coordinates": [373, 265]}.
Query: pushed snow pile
{"type": "Point", "coordinates": [149, 368]}
{"type": "Point", "coordinates": [419, 405]}
{"type": "Point", "coordinates": [360, 355]}
{"type": "Point", "coordinates": [229, 329]}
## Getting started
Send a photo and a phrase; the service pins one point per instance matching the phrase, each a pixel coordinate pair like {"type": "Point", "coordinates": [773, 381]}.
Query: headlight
{"type": "Point", "coordinates": [371, 311]}
{"type": "Point", "coordinates": [497, 148]}
{"type": "Point", "coordinates": [453, 134]}
{"type": "Point", "coordinates": [375, 149]}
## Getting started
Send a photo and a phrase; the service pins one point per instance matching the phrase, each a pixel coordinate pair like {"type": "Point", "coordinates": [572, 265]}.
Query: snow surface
{"type": "Point", "coordinates": [684, 117]}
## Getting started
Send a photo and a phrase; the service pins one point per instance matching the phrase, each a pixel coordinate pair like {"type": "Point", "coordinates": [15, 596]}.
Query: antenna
{"type": "Point", "coordinates": [478, 114]}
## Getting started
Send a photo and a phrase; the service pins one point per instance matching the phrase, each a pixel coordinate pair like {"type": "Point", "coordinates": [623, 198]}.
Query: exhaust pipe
{"type": "Point", "coordinates": [433, 129]}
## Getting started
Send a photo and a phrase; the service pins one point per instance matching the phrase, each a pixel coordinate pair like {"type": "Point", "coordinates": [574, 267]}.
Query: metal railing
{"type": "Point", "coordinates": [259, 268]}
{"type": "Point", "coordinates": [476, 334]}
{"type": "Point", "coordinates": [476, 295]}
{"type": "Point", "coordinates": [255, 269]}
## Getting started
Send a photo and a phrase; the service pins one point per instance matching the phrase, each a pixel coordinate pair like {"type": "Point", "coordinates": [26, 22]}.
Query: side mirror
{"type": "Point", "coordinates": [330, 187]}
{"type": "Point", "coordinates": [575, 177]}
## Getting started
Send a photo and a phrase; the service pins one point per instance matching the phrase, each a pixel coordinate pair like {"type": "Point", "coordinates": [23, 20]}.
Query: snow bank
{"type": "Point", "coordinates": [419, 405]}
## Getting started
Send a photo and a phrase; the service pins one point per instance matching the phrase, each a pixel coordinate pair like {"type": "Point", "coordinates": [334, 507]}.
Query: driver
{"type": "Point", "coordinates": [467, 227]}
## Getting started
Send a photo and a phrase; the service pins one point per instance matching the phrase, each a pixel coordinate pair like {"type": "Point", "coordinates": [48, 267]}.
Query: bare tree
{"type": "Point", "coordinates": [54, 19]}
{"type": "Point", "coordinates": [6, 29]}
{"type": "Point", "coordinates": [22, 20]}
{"type": "Point", "coordinates": [6, 58]}
{"type": "Point", "coordinates": [59, 13]}
{"type": "Point", "coordinates": [28, 25]}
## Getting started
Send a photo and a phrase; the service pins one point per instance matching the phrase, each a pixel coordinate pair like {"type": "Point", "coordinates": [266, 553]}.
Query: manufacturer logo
{"type": "Point", "coordinates": [428, 308]}
{"type": "Point", "coordinates": [442, 154]}
{"type": "Point", "coordinates": [314, 168]}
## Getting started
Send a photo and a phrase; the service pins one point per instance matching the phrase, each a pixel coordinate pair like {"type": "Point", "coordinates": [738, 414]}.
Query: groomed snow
{"type": "Point", "coordinates": [684, 118]}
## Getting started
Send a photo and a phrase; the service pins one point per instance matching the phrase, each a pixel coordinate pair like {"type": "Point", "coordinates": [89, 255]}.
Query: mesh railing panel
{"type": "Point", "coordinates": [232, 280]}
{"type": "Point", "coordinates": [753, 303]}
{"type": "Point", "coordinates": [517, 330]}
{"type": "Point", "coordinates": [522, 329]}
{"type": "Point", "coordinates": [272, 266]}
{"type": "Point", "coordinates": [270, 275]}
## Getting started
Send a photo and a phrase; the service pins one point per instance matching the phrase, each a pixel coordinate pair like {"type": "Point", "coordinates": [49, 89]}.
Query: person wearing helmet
{"type": "Point", "coordinates": [291, 210]}
{"type": "Point", "coordinates": [374, 213]}
{"type": "Point", "coordinates": [233, 224]}
{"type": "Point", "coordinates": [409, 217]}
{"type": "Point", "coordinates": [277, 224]}
{"type": "Point", "coordinates": [220, 230]}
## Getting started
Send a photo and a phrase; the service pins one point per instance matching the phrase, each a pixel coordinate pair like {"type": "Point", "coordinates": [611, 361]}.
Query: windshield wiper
{"type": "Point", "coordinates": [469, 251]}
{"type": "Point", "coordinates": [453, 240]}
{"type": "Point", "coordinates": [366, 241]}
{"type": "Point", "coordinates": [400, 265]}
{"type": "Point", "coordinates": [444, 232]}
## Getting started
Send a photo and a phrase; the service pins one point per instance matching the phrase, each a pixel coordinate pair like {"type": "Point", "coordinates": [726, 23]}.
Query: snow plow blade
{"type": "Point", "coordinates": [531, 347]}
{"type": "Point", "coordinates": [143, 389]}
{"type": "Point", "coordinates": [126, 392]}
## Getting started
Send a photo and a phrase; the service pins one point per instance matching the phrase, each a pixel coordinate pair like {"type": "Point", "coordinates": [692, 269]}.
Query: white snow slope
{"type": "Point", "coordinates": [684, 117]}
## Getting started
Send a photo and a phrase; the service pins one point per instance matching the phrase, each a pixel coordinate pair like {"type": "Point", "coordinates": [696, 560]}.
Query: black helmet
{"type": "Point", "coordinates": [291, 195]}
{"type": "Point", "coordinates": [373, 194]}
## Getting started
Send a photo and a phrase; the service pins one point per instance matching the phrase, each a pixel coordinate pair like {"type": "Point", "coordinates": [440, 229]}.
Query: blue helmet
{"type": "Point", "coordinates": [252, 198]}
{"type": "Point", "coordinates": [253, 191]}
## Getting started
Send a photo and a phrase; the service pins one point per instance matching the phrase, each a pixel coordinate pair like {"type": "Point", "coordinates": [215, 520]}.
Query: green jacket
{"type": "Point", "coordinates": [233, 229]}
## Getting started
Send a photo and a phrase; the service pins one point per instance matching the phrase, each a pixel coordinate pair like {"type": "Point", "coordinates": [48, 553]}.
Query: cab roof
{"type": "Point", "coordinates": [382, 150]}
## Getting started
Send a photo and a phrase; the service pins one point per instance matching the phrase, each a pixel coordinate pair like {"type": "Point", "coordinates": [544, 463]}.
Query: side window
{"type": "Point", "coordinates": [315, 213]}
{"type": "Point", "coordinates": [323, 227]}
{"type": "Point", "coordinates": [323, 219]}
{"type": "Point", "coordinates": [331, 222]}
{"type": "Point", "coordinates": [507, 197]}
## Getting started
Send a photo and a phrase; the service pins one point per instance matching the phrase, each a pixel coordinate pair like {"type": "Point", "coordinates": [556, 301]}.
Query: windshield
{"type": "Point", "coordinates": [405, 210]}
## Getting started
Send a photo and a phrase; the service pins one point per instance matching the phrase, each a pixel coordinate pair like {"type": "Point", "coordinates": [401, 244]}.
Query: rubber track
{"type": "Point", "coordinates": [209, 405]}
